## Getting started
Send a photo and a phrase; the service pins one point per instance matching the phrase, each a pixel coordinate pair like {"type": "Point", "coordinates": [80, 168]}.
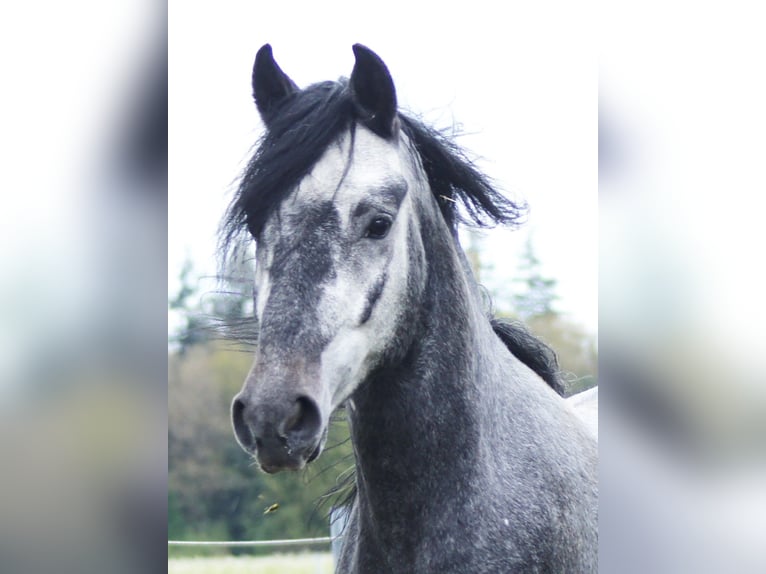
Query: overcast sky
{"type": "Point", "coordinates": [520, 80]}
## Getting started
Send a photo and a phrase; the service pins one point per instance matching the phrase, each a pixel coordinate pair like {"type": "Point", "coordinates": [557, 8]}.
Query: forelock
{"type": "Point", "coordinates": [297, 136]}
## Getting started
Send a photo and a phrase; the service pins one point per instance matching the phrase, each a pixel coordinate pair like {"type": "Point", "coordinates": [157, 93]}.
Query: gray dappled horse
{"type": "Point", "coordinates": [466, 460]}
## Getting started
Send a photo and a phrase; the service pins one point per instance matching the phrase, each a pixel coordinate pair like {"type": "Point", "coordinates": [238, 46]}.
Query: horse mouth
{"type": "Point", "coordinates": [313, 456]}
{"type": "Point", "coordinates": [276, 459]}
{"type": "Point", "coordinates": [272, 465]}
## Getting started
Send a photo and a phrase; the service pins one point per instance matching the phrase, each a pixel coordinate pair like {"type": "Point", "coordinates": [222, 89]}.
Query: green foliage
{"type": "Point", "coordinates": [215, 490]}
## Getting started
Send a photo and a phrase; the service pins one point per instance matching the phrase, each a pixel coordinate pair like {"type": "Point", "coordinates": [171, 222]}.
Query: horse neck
{"type": "Point", "coordinates": [415, 423]}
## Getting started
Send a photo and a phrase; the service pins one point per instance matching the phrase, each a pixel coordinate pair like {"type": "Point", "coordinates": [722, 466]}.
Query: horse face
{"type": "Point", "coordinates": [332, 279]}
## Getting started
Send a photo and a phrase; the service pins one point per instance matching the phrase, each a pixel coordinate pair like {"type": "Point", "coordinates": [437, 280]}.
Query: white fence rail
{"type": "Point", "coordinates": [293, 542]}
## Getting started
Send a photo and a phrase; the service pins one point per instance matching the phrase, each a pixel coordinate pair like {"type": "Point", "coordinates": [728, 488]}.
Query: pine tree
{"type": "Point", "coordinates": [194, 330]}
{"type": "Point", "coordinates": [226, 312]}
{"type": "Point", "coordinates": [538, 294]}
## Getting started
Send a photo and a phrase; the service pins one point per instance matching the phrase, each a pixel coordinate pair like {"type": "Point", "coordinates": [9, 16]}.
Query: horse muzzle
{"type": "Point", "coordinates": [282, 435]}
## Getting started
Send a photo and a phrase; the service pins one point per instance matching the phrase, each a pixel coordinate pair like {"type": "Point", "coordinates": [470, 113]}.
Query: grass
{"type": "Point", "coordinates": [304, 563]}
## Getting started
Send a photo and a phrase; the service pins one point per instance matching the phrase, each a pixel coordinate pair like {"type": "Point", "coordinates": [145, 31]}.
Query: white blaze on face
{"type": "Point", "coordinates": [264, 259]}
{"type": "Point", "coordinates": [360, 263]}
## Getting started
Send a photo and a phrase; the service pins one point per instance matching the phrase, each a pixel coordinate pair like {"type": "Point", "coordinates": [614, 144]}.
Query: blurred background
{"type": "Point", "coordinates": [662, 102]}
{"type": "Point", "coordinates": [681, 284]}
{"type": "Point", "coordinates": [83, 252]}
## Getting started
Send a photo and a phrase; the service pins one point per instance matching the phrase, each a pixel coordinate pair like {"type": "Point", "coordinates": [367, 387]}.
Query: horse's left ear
{"type": "Point", "coordinates": [374, 93]}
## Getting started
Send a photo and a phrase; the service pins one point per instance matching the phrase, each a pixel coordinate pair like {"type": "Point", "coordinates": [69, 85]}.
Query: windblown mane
{"type": "Point", "coordinates": [311, 120]}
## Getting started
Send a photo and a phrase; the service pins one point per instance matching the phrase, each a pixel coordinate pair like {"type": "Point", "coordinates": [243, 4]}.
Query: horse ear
{"type": "Point", "coordinates": [373, 92]}
{"type": "Point", "coordinates": [271, 86]}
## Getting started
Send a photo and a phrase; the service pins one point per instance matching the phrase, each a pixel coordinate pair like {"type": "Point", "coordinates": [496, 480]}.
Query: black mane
{"type": "Point", "coordinates": [311, 120]}
{"type": "Point", "coordinates": [531, 351]}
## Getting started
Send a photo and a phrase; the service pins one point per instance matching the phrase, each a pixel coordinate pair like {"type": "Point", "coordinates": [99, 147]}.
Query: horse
{"type": "Point", "coordinates": [467, 457]}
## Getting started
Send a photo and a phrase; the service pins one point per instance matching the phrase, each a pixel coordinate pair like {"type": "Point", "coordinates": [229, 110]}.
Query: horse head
{"type": "Point", "coordinates": [338, 252]}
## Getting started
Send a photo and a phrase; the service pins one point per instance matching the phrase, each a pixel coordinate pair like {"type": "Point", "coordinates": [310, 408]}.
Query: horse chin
{"type": "Point", "coordinates": [273, 466]}
{"type": "Point", "coordinates": [268, 469]}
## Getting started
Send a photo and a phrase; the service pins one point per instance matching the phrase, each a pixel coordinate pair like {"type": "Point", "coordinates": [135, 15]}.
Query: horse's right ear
{"type": "Point", "coordinates": [271, 86]}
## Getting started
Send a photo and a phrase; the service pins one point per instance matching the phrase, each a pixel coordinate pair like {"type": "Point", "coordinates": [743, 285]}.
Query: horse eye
{"type": "Point", "coordinates": [378, 228]}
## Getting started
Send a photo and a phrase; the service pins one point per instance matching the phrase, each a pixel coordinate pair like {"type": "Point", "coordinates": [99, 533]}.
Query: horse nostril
{"type": "Point", "coordinates": [304, 420]}
{"type": "Point", "coordinates": [242, 430]}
